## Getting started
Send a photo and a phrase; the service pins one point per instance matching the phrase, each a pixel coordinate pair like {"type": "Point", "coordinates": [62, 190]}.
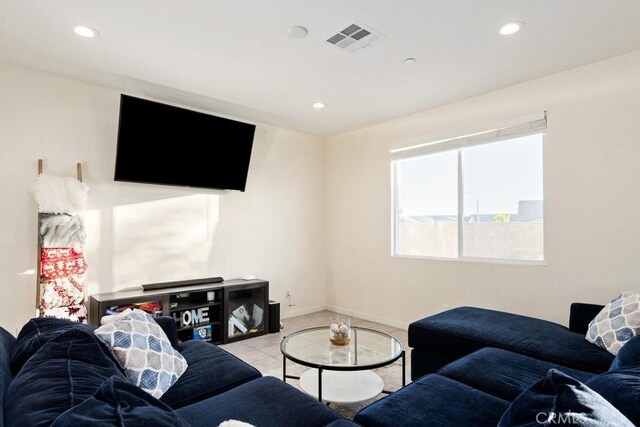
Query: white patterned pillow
{"type": "Point", "coordinates": [143, 350]}
{"type": "Point", "coordinates": [617, 323]}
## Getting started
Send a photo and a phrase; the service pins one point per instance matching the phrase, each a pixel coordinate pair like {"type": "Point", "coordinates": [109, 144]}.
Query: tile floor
{"type": "Point", "coordinates": [264, 354]}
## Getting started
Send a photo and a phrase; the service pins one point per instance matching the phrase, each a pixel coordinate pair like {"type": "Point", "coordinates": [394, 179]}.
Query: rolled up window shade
{"type": "Point", "coordinates": [514, 128]}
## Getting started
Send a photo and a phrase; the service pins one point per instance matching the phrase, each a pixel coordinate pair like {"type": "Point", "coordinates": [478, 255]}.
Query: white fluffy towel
{"type": "Point", "coordinates": [57, 194]}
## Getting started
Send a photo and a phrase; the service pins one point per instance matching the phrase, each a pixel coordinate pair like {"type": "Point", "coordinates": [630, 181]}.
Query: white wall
{"type": "Point", "coordinates": [592, 200]}
{"type": "Point", "coordinates": [141, 233]}
{"type": "Point", "coordinates": [316, 217]}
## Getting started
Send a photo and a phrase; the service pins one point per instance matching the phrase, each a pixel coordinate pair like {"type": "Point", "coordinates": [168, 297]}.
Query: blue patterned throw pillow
{"type": "Point", "coordinates": [617, 323]}
{"type": "Point", "coordinates": [143, 350]}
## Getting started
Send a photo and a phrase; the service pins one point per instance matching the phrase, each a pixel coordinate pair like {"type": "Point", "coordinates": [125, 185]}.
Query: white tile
{"type": "Point", "coordinates": [272, 350]}
{"type": "Point", "coordinates": [264, 341]}
{"type": "Point", "coordinates": [267, 364]}
{"type": "Point", "coordinates": [252, 356]}
{"type": "Point", "coordinates": [236, 347]}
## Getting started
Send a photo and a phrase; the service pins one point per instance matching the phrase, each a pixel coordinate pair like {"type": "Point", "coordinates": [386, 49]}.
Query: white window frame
{"type": "Point", "coordinates": [532, 124]}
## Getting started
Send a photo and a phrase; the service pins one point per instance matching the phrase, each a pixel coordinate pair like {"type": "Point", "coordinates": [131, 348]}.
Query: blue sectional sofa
{"type": "Point", "coordinates": [445, 337]}
{"type": "Point", "coordinates": [477, 367]}
{"type": "Point", "coordinates": [57, 373]}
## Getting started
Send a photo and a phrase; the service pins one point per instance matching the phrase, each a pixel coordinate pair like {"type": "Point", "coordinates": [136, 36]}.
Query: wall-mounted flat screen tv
{"type": "Point", "coordinates": [162, 144]}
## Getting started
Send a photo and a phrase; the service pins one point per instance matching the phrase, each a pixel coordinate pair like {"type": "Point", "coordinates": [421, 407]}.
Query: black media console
{"type": "Point", "coordinates": [215, 310]}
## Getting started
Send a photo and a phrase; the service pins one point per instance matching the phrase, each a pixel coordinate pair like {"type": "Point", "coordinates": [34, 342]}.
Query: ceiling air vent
{"type": "Point", "coordinates": [354, 36]}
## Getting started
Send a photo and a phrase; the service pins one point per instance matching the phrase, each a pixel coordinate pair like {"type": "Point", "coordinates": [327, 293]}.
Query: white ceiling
{"type": "Point", "coordinates": [235, 57]}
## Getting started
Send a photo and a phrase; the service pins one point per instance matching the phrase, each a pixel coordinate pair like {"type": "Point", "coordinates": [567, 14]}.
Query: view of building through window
{"type": "Point", "coordinates": [498, 188]}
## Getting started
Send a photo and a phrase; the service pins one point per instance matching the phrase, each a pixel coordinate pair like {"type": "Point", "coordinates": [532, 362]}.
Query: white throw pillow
{"type": "Point", "coordinates": [109, 318]}
{"type": "Point", "coordinates": [617, 323]}
{"type": "Point", "coordinates": [235, 423]}
{"type": "Point", "coordinates": [143, 350]}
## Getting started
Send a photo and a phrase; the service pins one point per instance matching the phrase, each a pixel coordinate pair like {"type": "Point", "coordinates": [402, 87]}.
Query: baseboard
{"type": "Point", "coordinates": [366, 316]}
{"type": "Point", "coordinates": [293, 312]}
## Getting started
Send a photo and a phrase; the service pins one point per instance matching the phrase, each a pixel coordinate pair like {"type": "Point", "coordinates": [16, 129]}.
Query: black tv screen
{"type": "Point", "coordinates": [162, 144]}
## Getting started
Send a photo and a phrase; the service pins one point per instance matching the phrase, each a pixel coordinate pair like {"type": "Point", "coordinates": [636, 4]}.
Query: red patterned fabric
{"type": "Point", "coordinates": [76, 313]}
{"type": "Point", "coordinates": [62, 292]}
{"type": "Point", "coordinates": [61, 263]}
{"type": "Point", "coordinates": [62, 283]}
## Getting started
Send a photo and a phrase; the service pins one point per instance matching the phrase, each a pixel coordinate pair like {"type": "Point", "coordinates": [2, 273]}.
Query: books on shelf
{"type": "Point", "coordinates": [234, 324]}
{"type": "Point", "coordinates": [257, 315]}
{"type": "Point", "coordinates": [154, 308]}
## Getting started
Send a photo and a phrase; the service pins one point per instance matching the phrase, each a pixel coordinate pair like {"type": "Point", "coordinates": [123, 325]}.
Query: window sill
{"type": "Point", "coordinates": [524, 262]}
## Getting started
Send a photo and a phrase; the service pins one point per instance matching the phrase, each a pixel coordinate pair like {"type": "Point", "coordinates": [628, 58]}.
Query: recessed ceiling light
{"type": "Point", "coordinates": [410, 61]}
{"type": "Point", "coordinates": [298, 32]}
{"type": "Point", "coordinates": [318, 105]}
{"type": "Point", "coordinates": [84, 31]}
{"type": "Point", "coordinates": [511, 28]}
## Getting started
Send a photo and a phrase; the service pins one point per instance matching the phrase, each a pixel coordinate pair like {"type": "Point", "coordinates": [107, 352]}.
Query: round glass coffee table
{"type": "Point", "coordinates": [341, 373]}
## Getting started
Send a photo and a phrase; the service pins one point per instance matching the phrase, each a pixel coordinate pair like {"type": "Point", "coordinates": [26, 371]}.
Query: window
{"type": "Point", "coordinates": [478, 196]}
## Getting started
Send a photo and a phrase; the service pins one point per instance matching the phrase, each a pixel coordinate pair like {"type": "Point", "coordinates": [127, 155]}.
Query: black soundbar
{"type": "Point", "coordinates": [180, 283]}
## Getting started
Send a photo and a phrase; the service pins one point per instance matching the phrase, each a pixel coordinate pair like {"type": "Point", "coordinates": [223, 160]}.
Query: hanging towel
{"type": "Point", "coordinates": [56, 194]}
{"type": "Point", "coordinates": [61, 230]}
{"type": "Point", "coordinates": [63, 292]}
{"type": "Point", "coordinates": [76, 313]}
{"type": "Point", "coordinates": [61, 262]}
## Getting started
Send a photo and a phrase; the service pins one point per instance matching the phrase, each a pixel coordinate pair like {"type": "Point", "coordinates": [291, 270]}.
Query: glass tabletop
{"type": "Point", "coordinates": [367, 349]}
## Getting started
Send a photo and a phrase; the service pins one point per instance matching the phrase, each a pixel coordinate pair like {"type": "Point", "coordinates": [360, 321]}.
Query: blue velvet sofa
{"type": "Point", "coordinates": [477, 367]}
{"type": "Point", "coordinates": [57, 373]}
{"type": "Point", "coordinates": [445, 337]}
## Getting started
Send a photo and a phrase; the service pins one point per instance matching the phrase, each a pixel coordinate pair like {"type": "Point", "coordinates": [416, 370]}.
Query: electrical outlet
{"type": "Point", "coordinates": [289, 298]}
{"type": "Point", "coordinates": [446, 307]}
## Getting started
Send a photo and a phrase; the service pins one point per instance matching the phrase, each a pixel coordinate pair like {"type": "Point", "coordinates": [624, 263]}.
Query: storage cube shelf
{"type": "Point", "coordinates": [219, 312]}
{"type": "Point", "coordinates": [245, 311]}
